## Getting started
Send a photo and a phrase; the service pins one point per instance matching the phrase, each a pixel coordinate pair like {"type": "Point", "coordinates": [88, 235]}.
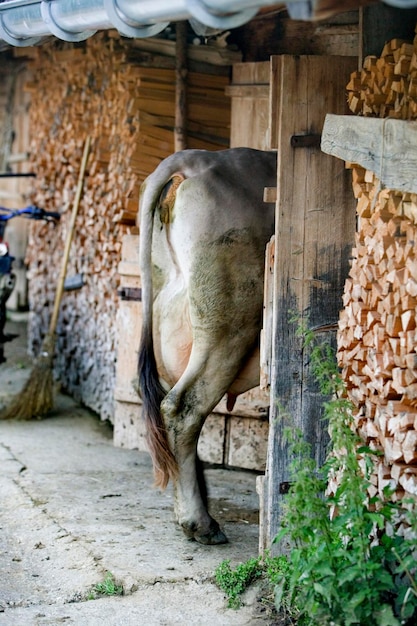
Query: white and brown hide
{"type": "Point", "coordinates": [203, 231]}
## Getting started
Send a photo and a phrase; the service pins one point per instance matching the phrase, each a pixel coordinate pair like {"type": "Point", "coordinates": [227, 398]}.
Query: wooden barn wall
{"type": "Point", "coordinates": [351, 33]}
{"type": "Point", "coordinates": [272, 32]}
{"type": "Point", "coordinates": [106, 89]}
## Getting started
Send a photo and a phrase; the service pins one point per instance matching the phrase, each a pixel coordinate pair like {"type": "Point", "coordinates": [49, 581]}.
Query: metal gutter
{"type": "Point", "coordinates": [26, 22]}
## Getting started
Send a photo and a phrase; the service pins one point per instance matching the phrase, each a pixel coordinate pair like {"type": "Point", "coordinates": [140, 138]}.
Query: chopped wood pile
{"type": "Point", "coordinates": [127, 107]}
{"type": "Point", "coordinates": [386, 86]}
{"type": "Point", "coordinates": [377, 341]}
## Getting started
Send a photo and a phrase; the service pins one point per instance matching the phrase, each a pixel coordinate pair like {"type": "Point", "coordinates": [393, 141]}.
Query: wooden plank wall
{"type": "Point", "coordinates": [250, 112]}
{"type": "Point", "coordinates": [315, 225]}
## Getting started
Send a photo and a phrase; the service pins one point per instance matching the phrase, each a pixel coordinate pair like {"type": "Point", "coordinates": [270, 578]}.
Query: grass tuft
{"type": "Point", "coordinates": [109, 587]}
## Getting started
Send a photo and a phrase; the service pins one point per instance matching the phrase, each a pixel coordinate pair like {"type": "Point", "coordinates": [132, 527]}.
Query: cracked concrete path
{"type": "Point", "coordinates": [73, 508]}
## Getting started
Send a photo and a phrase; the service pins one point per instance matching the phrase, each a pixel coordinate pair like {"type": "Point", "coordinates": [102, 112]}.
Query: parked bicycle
{"type": "Point", "coordinates": [7, 277]}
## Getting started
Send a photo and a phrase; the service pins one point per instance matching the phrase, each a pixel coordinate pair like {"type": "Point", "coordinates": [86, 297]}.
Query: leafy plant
{"type": "Point", "coordinates": [108, 587]}
{"type": "Point", "coordinates": [235, 581]}
{"type": "Point", "coordinates": [347, 564]}
{"type": "Point", "coordinates": [274, 571]}
{"type": "Point", "coordinates": [278, 571]}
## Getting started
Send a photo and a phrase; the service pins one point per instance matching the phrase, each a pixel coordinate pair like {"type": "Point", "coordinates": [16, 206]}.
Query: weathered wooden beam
{"type": "Point", "coordinates": [181, 74]}
{"type": "Point", "coordinates": [387, 147]}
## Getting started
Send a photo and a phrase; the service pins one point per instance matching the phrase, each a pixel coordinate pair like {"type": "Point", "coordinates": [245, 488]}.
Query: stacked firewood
{"type": "Point", "coordinates": [377, 341]}
{"type": "Point", "coordinates": [386, 86]}
{"type": "Point", "coordinates": [95, 89]}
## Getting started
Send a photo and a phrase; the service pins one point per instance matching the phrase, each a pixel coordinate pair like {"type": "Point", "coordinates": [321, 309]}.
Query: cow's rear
{"type": "Point", "coordinates": [203, 231]}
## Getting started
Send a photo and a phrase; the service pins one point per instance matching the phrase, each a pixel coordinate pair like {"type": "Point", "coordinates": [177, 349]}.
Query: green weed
{"type": "Point", "coordinates": [235, 581]}
{"type": "Point", "coordinates": [274, 572]}
{"type": "Point", "coordinates": [108, 587]}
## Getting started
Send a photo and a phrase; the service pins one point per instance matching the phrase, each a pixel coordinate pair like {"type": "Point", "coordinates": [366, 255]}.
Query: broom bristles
{"type": "Point", "coordinates": [36, 398]}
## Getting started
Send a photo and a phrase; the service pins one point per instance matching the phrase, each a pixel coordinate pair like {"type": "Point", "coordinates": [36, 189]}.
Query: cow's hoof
{"type": "Point", "coordinates": [214, 536]}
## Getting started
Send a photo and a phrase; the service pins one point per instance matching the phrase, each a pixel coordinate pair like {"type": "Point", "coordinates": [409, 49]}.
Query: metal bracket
{"type": "Point", "coordinates": [122, 24]}
{"type": "Point", "coordinates": [130, 294]}
{"type": "Point", "coordinates": [55, 28]}
{"type": "Point", "coordinates": [74, 282]}
{"type": "Point", "coordinates": [15, 41]}
{"type": "Point", "coordinates": [17, 174]}
{"type": "Point", "coordinates": [306, 141]}
{"type": "Point", "coordinates": [202, 14]}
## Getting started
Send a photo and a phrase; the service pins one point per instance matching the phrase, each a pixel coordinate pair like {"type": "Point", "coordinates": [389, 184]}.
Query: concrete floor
{"type": "Point", "coordinates": [74, 507]}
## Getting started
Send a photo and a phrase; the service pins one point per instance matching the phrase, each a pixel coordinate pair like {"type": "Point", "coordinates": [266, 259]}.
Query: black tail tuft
{"type": "Point", "coordinates": [152, 394]}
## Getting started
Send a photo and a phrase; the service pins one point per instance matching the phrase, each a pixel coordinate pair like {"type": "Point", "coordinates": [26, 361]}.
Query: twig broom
{"type": "Point", "coordinates": [36, 398]}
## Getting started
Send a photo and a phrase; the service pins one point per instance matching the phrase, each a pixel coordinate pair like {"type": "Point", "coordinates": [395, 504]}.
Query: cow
{"type": "Point", "coordinates": [203, 231]}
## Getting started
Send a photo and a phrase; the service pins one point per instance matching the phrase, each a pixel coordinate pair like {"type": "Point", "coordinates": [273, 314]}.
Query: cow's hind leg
{"type": "Point", "coordinates": [225, 308]}
{"type": "Point", "coordinates": [184, 410]}
{"type": "Point", "coordinates": [184, 426]}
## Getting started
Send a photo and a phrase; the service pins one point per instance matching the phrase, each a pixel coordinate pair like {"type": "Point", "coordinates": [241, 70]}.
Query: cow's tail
{"type": "Point", "coordinates": [150, 388]}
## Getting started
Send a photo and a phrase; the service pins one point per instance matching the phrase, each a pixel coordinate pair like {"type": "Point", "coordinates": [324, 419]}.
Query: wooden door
{"type": "Point", "coordinates": [315, 226]}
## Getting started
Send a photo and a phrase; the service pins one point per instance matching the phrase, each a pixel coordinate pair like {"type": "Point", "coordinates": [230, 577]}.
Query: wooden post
{"type": "Point", "coordinates": [181, 71]}
{"type": "Point", "coordinates": [315, 226]}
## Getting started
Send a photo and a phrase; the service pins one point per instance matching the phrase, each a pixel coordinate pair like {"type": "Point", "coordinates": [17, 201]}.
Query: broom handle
{"type": "Point", "coordinates": [61, 279]}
